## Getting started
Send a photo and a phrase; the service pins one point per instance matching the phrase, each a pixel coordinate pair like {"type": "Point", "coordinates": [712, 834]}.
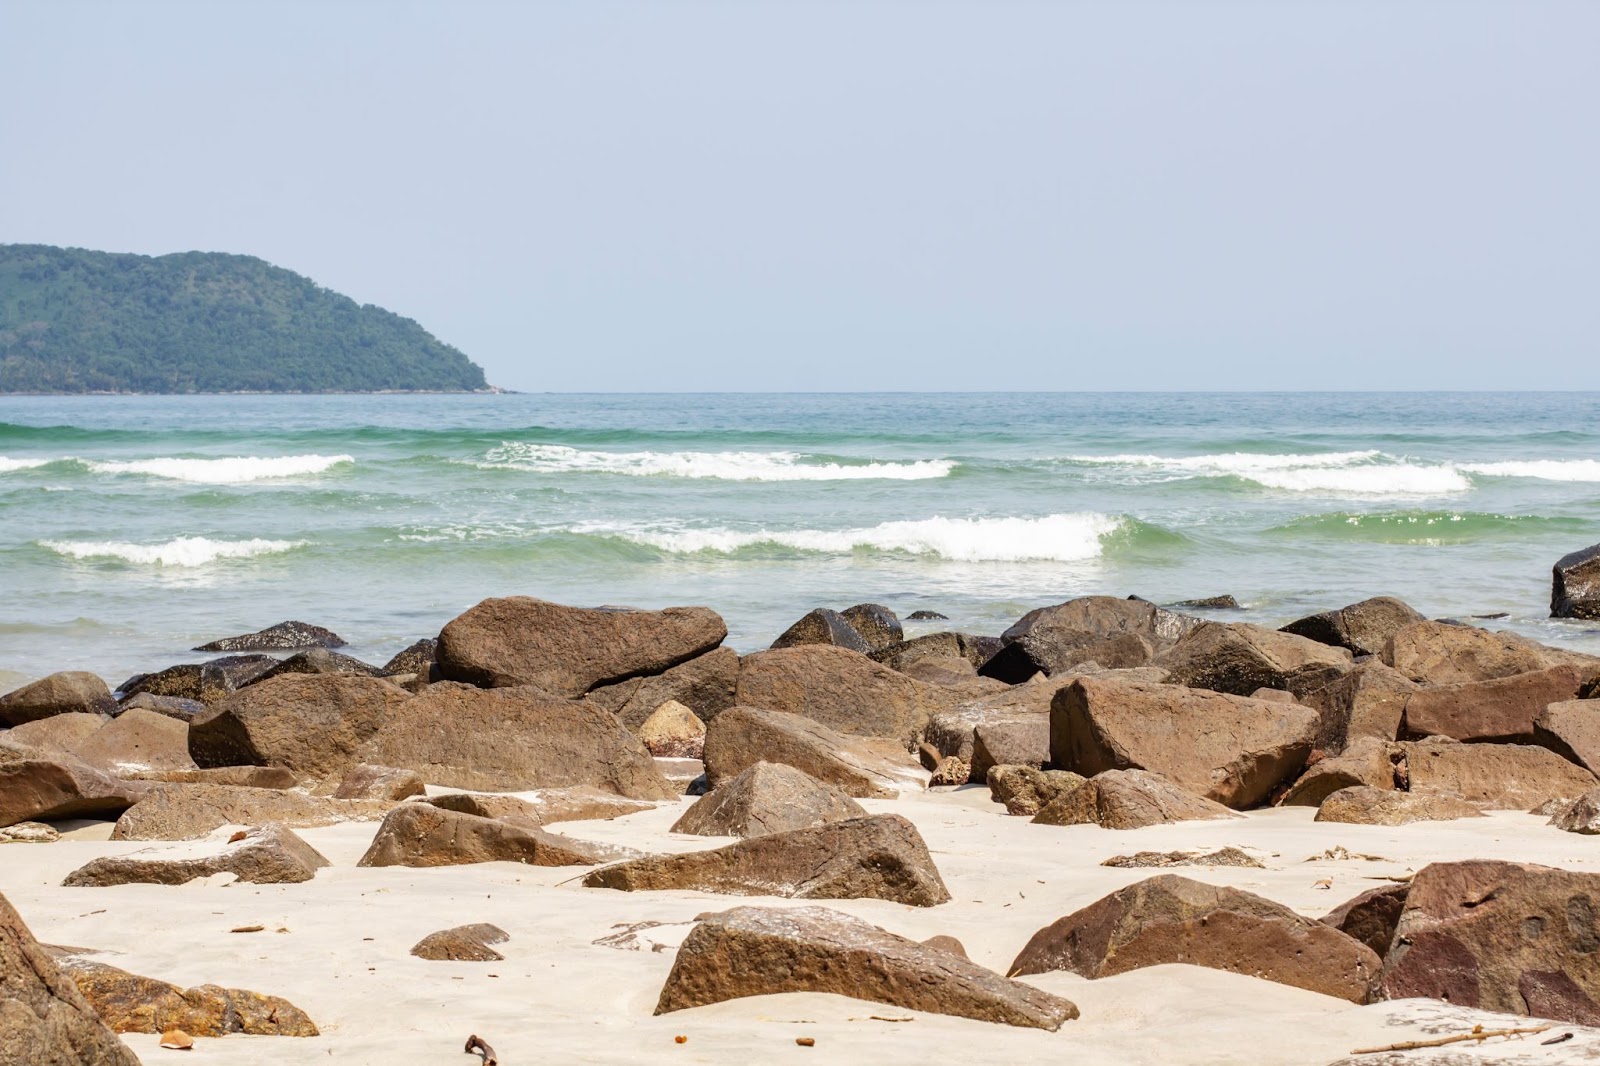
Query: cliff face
{"type": "Point", "coordinates": [73, 320]}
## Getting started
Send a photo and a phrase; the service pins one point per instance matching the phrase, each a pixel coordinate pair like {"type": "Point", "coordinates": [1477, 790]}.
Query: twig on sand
{"type": "Point", "coordinates": [475, 1043]}
{"type": "Point", "coordinates": [1478, 1033]}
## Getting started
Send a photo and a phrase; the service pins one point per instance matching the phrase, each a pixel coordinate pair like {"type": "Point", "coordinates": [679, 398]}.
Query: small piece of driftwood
{"type": "Point", "coordinates": [476, 1043]}
{"type": "Point", "coordinates": [1478, 1033]}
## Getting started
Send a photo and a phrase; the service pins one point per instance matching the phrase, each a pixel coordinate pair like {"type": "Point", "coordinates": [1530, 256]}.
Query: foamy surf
{"type": "Point", "coordinates": [1053, 538]}
{"type": "Point", "coordinates": [235, 470]}
{"type": "Point", "coordinates": [1543, 469]}
{"type": "Point", "coordinates": [180, 551]}
{"type": "Point", "coordinates": [8, 465]}
{"type": "Point", "coordinates": [729, 466]}
{"type": "Point", "coordinates": [1360, 473]}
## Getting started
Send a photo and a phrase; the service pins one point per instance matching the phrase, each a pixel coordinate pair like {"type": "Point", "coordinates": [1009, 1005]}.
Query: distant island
{"type": "Point", "coordinates": [74, 321]}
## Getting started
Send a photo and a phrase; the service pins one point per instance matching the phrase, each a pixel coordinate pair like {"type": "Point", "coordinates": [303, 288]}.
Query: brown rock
{"type": "Point", "coordinates": [285, 636]}
{"type": "Point", "coordinates": [418, 659]}
{"type": "Point", "coordinates": [1501, 709]}
{"type": "Point", "coordinates": [952, 672]}
{"type": "Point", "coordinates": [1105, 616]}
{"type": "Point", "coordinates": [188, 812]}
{"type": "Point", "coordinates": [1360, 805]}
{"type": "Point", "coordinates": [766, 798]}
{"type": "Point", "coordinates": [59, 734]}
{"type": "Point", "coordinates": [906, 653]}
{"type": "Point", "coordinates": [171, 706]}
{"type": "Point", "coordinates": [824, 627]}
{"type": "Point", "coordinates": [1026, 789]}
{"type": "Point", "coordinates": [1128, 799]}
{"type": "Point", "coordinates": [704, 684]}
{"type": "Point", "coordinates": [129, 1003]}
{"type": "Point", "coordinates": [874, 857]}
{"type": "Point", "coordinates": [949, 944]}
{"type": "Point", "coordinates": [1366, 762]}
{"type": "Point", "coordinates": [1499, 936]}
{"type": "Point", "coordinates": [952, 771]}
{"type": "Point", "coordinates": [841, 689]}
{"type": "Point", "coordinates": [1575, 585]}
{"type": "Point", "coordinates": [756, 951]}
{"type": "Point", "coordinates": [1571, 729]}
{"type": "Point", "coordinates": [1504, 776]}
{"type": "Point", "coordinates": [367, 782]}
{"type": "Point", "coordinates": [1017, 740]}
{"type": "Point", "coordinates": [875, 623]}
{"type": "Point", "coordinates": [1371, 916]}
{"type": "Point", "coordinates": [577, 803]}
{"type": "Point", "coordinates": [1230, 749]}
{"type": "Point", "coordinates": [271, 855]}
{"type": "Point", "coordinates": [234, 776]}
{"type": "Point", "coordinates": [674, 732]}
{"type": "Point", "coordinates": [29, 833]}
{"type": "Point", "coordinates": [1168, 919]}
{"type": "Point", "coordinates": [509, 809]}
{"type": "Point", "coordinates": [463, 943]}
{"type": "Point", "coordinates": [69, 692]}
{"type": "Point", "coordinates": [1439, 653]}
{"type": "Point", "coordinates": [420, 834]}
{"type": "Point", "coordinates": [1163, 859]}
{"type": "Point", "coordinates": [138, 740]}
{"type": "Point", "coordinates": [1581, 815]}
{"type": "Point", "coordinates": [519, 640]}
{"type": "Point", "coordinates": [36, 785]}
{"type": "Point", "coordinates": [205, 682]}
{"type": "Point", "coordinates": [1364, 628]}
{"type": "Point", "coordinates": [512, 739]}
{"type": "Point", "coordinates": [43, 1016]}
{"type": "Point", "coordinates": [1238, 658]}
{"type": "Point", "coordinates": [860, 766]}
{"type": "Point", "coordinates": [1367, 702]}
{"type": "Point", "coordinates": [319, 661]}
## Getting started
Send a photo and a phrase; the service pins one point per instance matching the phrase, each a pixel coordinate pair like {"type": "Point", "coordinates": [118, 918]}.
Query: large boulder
{"type": "Point", "coordinates": [1231, 749]}
{"type": "Point", "coordinates": [68, 692]}
{"type": "Point", "coordinates": [57, 735]}
{"type": "Point", "coordinates": [37, 785]}
{"type": "Point", "coordinates": [704, 684]}
{"type": "Point", "coordinates": [44, 1019]}
{"type": "Point", "coordinates": [1444, 653]}
{"type": "Point", "coordinates": [1503, 776]}
{"type": "Point", "coordinates": [1366, 703]}
{"type": "Point", "coordinates": [1500, 936]}
{"type": "Point", "coordinates": [759, 951]}
{"type": "Point", "coordinates": [1501, 709]}
{"type": "Point", "coordinates": [314, 725]}
{"type": "Point", "coordinates": [205, 682]}
{"type": "Point", "coordinates": [191, 811]}
{"type": "Point", "coordinates": [1239, 658]}
{"type": "Point", "coordinates": [138, 740]}
{"type": "Point", "coordinates": [766, 798]}
{"type": "Point", "coordinates": [1168, 918]}
{"type": "Point", "coordinates": [171, 706]}
{"type": "Point", "coordinates": [860, 766]}
{"type": "Point", "coordinates": [285, 636]}
{"type": "Point", "coordinates": [1575, 585]}
{"type": "Point", "coordinates": [1363, 805]}
{"type": "Point", "coordinates": [1128, 799]}
{"type": "Point", "coordinates": [1104, 617]}
{"type": "Point", "coordinates": [841, 689]}
{"type": "Point", "coordinates": [875, 623]}
{"type": "Point", "coordinates": [823, 626]}
{"type": "Point", "coordinates": [420, 834]}
{"type": "Point", "coordinates": [129, 1003]}
{"type": "Point", "coordinates": [1371, 916]}
{"type": "Point", "coordinates": [1364, 628]}
{"type": "Point", "coordinates": [271, 855]}
{"type": "Point", "coordinates": [1112, 632]}
{"type": "Point", "coordinates": [519, 640]}
{"type": "Point", "coordinates": [953, 731]}
{"type": "Point", "coordinates": [1571, 729]}
{"type": "Point", "coordinates": [512, 739]}
{"type": "Point", "coordinates": [1366, 762]}
{"type": "Point", "coordinates": [873, 857]}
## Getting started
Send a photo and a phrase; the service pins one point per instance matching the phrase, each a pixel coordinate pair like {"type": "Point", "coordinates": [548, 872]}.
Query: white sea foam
{"type": "Point", "coordinates": [8, 465]}
{"type": "Point", "coordinates": [731, 466]}
{"type": "Point", "coordinates": [1544, 469]}
{"type": "Point", "coordinates": [1241, 464]}
{"type": "Point", "coordinates": [180, 551]}
{"type": "Point", "coordinates": [1363, 473]}
{"type": "Point", "coordinates": [234, 470]}
{"type": "Point", "coordinates": [1053, 538]}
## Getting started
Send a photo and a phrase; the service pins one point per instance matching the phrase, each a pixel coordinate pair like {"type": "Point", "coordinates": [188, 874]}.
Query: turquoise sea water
{"type": "Point", "coordinates": [132, 528]}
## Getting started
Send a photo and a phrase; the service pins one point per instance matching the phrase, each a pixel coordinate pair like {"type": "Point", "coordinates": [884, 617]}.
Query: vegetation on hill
{"type": "Point", "coordinates": [73, 320]}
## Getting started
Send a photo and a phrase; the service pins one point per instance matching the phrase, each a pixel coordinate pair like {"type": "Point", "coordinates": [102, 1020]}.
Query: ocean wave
{"type": "Point", "coordinates": [1053, 538]}
{"type": "Point", "coordinates": [730, 466]}
{"type": "Point", "coordinates": [180, 551]}
{"type": "Point", "coordinates": [9, 465]}
{"type": "Point", "coordinates": [1544, 469]}
{"type": "Point", "coordinates": [1238, 464]}
{"type": "Point", "coordinates": [1425, 527]}
{"type": "Point", "coordinates": [235, 470]}
{"type": "Point", "coordinates": [1359, 473]}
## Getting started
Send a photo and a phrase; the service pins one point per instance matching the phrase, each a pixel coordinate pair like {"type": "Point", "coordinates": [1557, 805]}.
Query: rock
{"type": "Point", "coordinates": [319, 661]}
{"type": "Point", "coordinates": [191, 811]}
{"type": "Point", "coordinates": [1165, 859]}
{"type": "Point", "coordinates": [1437, 653]}
{"type": "Point", "coordinates": [1020, 740]}
{"type": "Point", "coordinates": [519, 640]}
{"type": "Point", "coordinates": [674, 732]}
{"type": "Point", "coordinates": [1230, 749]}
{"type": "Point", "coordinates": [1052, 651]}
{"type": "Point", "coordinates": [138, 740]}
{"type": "Point", "coordinates": [1371, 916]}
{"type": "Point", "coordinates": [282, 637]}
{"type": "Point", "coordinates": [1104, 617]}
{"type": "Point", "coordinates": [577, 803]}
{"type": "Point", "coordinates": [907, 653]}
{"type": "Point", "coordinates": [757, 951]}
{"type": "Point", "coordinates": [841, 689]}
{"type": "Point", "coordinates": [1366, 762]}
{"type": "Point", "coordinates": [205, 682]}
{"type": "Point", "coordinates": [1273, 695]}
{"type": "Point", "coordinates": [1211, 603]}
{"type": "Point", "coordinates": [29, 833]}
{"type": "Point", "coordinates": [823, 627]}
{"type": "Point", "coordinates": [43, 1016]}
{"type": "Point", "coordinates": [948, 944]}
{"type": "Point", "coordinates": [59, 734]}
{"type": "Point", "coordinates": [1582, 815]}
{"type": "Point", "coordinates": [951, 772]}
{"type": "Point", "coordinates": [860, 766]}
{"type": "Point", "coordinates": [1026, 790]}
{"type": "Point", "coordinates": [1571, 729]}
{"type": "Point", "coordinates": [875, 624]}
{"type": "Point", "coordinates": [1361, 805]}
{"type": "Point", "coordinates": [367, 782]}
{"type": "Point", "coordinates": [1364, 628]}
{"type": "Point", "coordinates": [171, 706]}
{"type": "Point", "coordinates": [129, 1003]}
{"type": "Point", "coordinates": [418, 659]}
{"type": "Point", "coordinates": [510, 809]}
{"type": "Point", "coordinates": [463, 943]}
{"type": "Point", "coordinates": [1575, 585]}
{"type": "Point", "coordinates": [1128, 799]}
{"type": "Point", "coordinates": [35, 785]}
{"type": "Point", "coordinates": [1502, 709]}
{"type": "Point", "coordinates": [1026, 706]}
{"type": "Point", "coordinates": [927, 616]}
{"type": "Point", "coordinates": [420, 834]}
{"type": "Point", "coordinates": [1238, 658]}
{"type": "Point", "coordinates": [874, 857]}
{"type": "Point", "coordinates": [766, 798]}
{"type": "Point", "coordinates": [1168, 919]}
{"type": "Point", "coordinates": [1499, 936]}
{"type": "Point", "coordinates": [1367, 702]}
{"type": "Point", "coordinates": [271, 855]}
{"type": "Point", "coordinates": [69, 692]}
{"type": "Point", "coordinates": [234, 776]}
{"type": "Point", "coordinates": [315, 725]}
{"type": "Point", "coordinates": [704, 684]}
{"type": "Point", "coordinates": [1503, 776]}
{"type": "Point", "coordinates": [511, 739]}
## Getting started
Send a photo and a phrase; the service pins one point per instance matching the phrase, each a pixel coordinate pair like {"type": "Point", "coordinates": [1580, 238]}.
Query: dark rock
{"type": "Point", "coordinates": [319, 661]}
{"type": "Point", "coordinates": [860, 766]}
{"type": "Point", "coordinates": [1364, 628]}
{"type": "Point", "coordinates": [205, 682]}
{"type": "Point", "coordinates": [171, 706]}
{"type": "Point", "coordinates": [875, 623]}
{"type": "Point", "coordinates": [927, 616]}
{"type": "Point", "coordinates": [825, 627]}
{"type": "Point", "coordinates": [421, 834]}
{"type": "Point", "coordinates": [1238, 658]}
{"type": "Point", "coordinates": [1503, 709]}
{"type": "Point", "coordinates": [129, 1003]}
{"type": "Point", "coordinates": [463, 943]}
{"type": "Point", "coordinates": [271, 855]}
{"type": "Point", "coordinates": [1371, 917]}
{"type": "Point", "coordinates": [704, 684]}
{"type": "Point", "coordinates": [1128, 799]}
{"type": "Point", "coordinates": [1361, 805]}
{"type": "Point", "coordinates": [284, 636]}
{"type": "Point", "coordinates": [1211, 603]}
{"type": "Point", "coordinates": [419, 659]}
{"type": "Point", "coordinates": [1053, 650]}
{"type": "Point", "coordinates": [841, 689]}
{"type": "Point", "coordinates": [1575, 585]}
{"type": "Point", "coordinates": [69, 692]}
{"type": "Point", "coordinates": [766, 798]}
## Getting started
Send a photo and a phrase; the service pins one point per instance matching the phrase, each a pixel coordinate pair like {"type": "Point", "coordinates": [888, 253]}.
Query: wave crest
{"type": "Point", "coordinates": [1543, 469]}
{"type": "Point", "coordinates": [730, 466]}
{"type": "Point", "coordinates": [234, 470]}
{"type": "Point", "coordinates": [180, 551]}
{"type": "Point", "coordinates": [1361, 473]}
{"type": "Point", "coordinates": [8, 465]}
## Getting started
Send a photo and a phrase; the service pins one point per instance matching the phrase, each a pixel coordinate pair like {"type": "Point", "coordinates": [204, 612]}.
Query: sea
{"type": "Point", "coordinates": [133, 528]}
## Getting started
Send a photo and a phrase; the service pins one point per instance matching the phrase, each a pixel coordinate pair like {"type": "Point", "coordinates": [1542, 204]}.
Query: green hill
{"type": "Point", "coordinates": [73, 320]}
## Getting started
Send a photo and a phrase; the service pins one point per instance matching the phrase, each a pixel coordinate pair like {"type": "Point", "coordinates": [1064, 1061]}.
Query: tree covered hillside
{"type": "Point", "coordinates": [73, 320]}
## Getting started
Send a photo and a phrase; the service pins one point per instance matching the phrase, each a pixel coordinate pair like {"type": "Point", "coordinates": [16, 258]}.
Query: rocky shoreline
{"type": "Point", "coordinates": [892, 786]}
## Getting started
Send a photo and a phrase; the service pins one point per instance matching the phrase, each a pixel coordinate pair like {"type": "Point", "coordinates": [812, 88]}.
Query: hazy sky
{"type": "Point", "coordinates": [859, 195]}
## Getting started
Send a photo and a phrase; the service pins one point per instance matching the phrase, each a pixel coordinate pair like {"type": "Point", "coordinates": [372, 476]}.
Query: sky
{"type": "Point", "coordinates": [599, 196]}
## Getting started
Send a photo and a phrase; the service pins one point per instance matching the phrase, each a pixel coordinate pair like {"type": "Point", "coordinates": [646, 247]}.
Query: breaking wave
{"type": "Point", "coordinates": [235, 470]}
{"type": "Point", "coordinates": [180, 551]}
{"type": "Point", "coordinates": [1362, 473]}
{"type": "Point", "coordinates": [731, 466]}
